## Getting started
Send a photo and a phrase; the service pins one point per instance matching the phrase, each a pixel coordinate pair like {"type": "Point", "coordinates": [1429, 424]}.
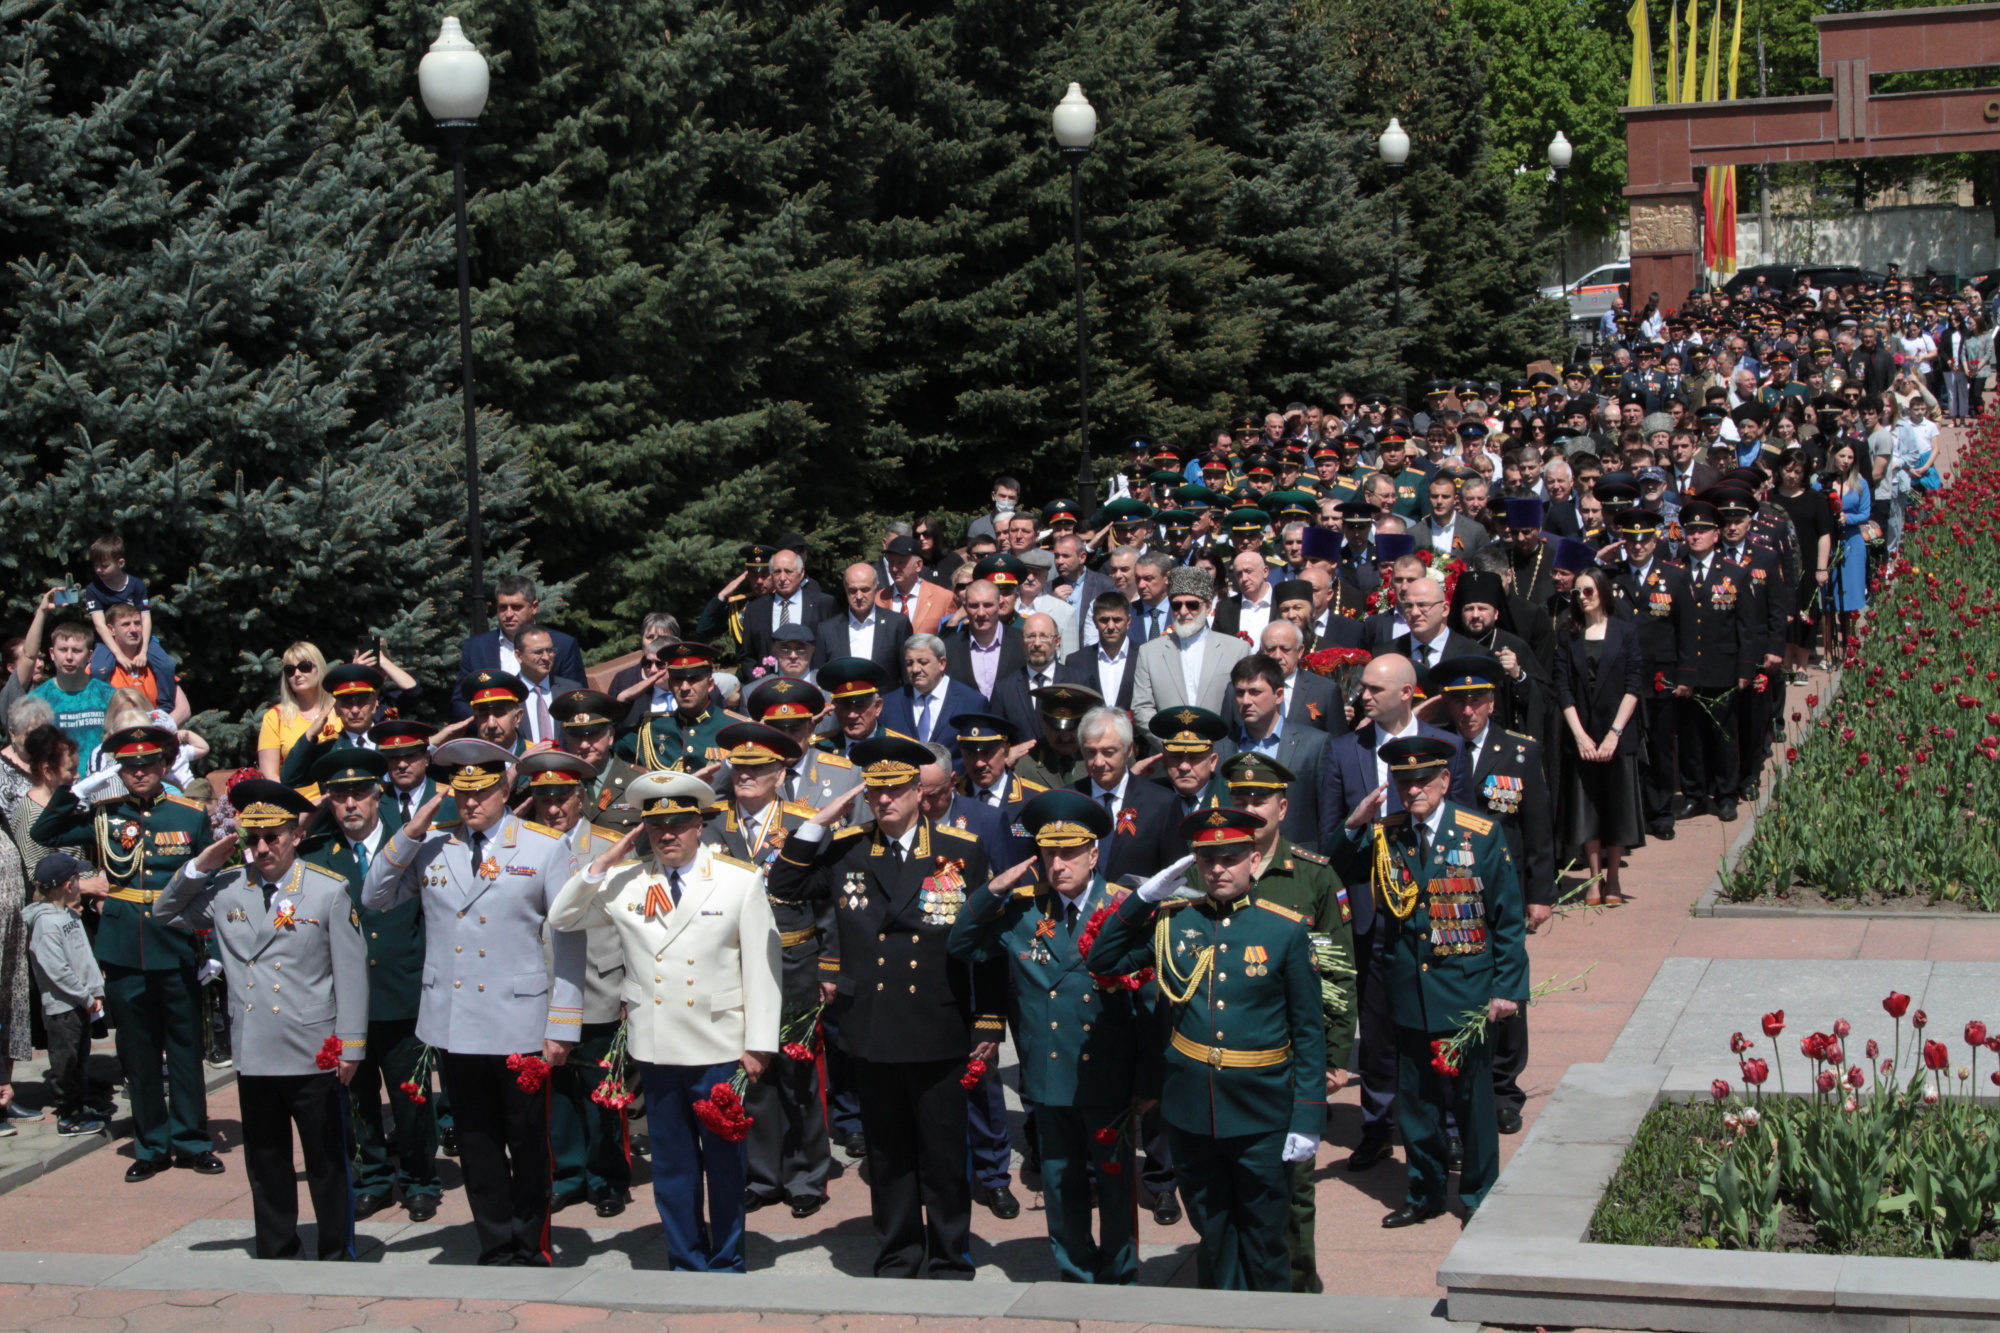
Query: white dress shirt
{"type": "Point", "coordinates": [1111, 670]}
{"type": "Point", "coordinates": [785, 610]}
{"type": "Point", "coordinates": [1384, 737]}
{"type": "Point", "coordinates": [861, 634]}
{"type": "Point", "coordinates": [1426, 653]}
{"type": "Point", "coordinates": [510, 661]}
{"type": "Point", "coordinates": [535, 710]}
{"type": "Point", "coordinates": [1255, 616]}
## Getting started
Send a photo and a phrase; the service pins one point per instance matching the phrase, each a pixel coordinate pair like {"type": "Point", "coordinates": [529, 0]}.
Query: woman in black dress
{"type": "Point", "coordinates": [1813, 522]}
{"type": "Point", "coordinates": [1599, 676]}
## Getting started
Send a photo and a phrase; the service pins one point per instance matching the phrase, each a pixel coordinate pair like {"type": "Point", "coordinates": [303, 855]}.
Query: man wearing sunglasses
{"type": "Point", "coordinates": [144, 837]}
{"type": "Point", "coordinates": [291, 948]}
{"type": "Point", "coordinates": [1191, 664]}
{"type": "Point", "coordinates": [490, 1007]}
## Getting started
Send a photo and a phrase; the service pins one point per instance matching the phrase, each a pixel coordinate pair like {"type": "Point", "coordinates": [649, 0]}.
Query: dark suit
{"type": "Point", "coordinates": [1149, 840]}
{"type": "Point", "coordinates": [1454, 645]}
{"type": "Point", "coordinates": [812, 605]}
{"type": "Point", "coordinates": [1302, 750]}
{"type": "Point", "coordinates": [899, 712]}
{"type": "Point", "coordinates": [1080, 668]}
{"type": "Point", "coordinates": [1338, 631]}
{"type": "Point", "coordinates": [1013, 697]}
{"type": "Point", "coordinates": [958, 656]}
{"type": "Point", "coordinates": [1621, 669]}
{"type": "Point", "coordinates": [1661, 609]}
{"type": "Point", "coordinates": [1347, 775]}
{"type": "Point", "coordinates": [1228, 617]}
{"type": "Point", "coordinates": [481, 652]}
{"type": "Point", "coordinates": [1467, 536]}
{"type": "Point", "coordinates": [1312, 701]}
{"type": "Point", "coordinates": [1726, 648]}
{"type": "Point", "coordinates": [892, 630]}
{"type": "Point", "coordinates": [1705, 476]}
{"type": "Point", "coordinates": [1564, 518]}
{"type": "Point", "coordinates": [1140, 631]}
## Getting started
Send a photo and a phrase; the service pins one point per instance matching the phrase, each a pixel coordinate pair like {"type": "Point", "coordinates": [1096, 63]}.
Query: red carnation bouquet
{"type": "Point", "coordinates": [329, 1053]}
{"type": "Point", "coordinates": [799, 1035]}
{"type": "Point", "coordinates": [417, 1086]}
{"type": "Point", "coordinates": [531, 1072]}
{"type": "Point", "coordinates": [1088, 937]}
{"type": "Point", "coordinates": [1341, 665]}
{"type": "Point", "coordinates": [614, 1091]}
{"type": "Point", "coordinates": [722, 1113]}
{"type": "Point", "coordinates": [974, 1071]}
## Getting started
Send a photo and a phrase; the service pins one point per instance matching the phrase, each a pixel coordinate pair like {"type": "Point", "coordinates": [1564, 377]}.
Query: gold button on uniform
{"type": "Point", "coordinates": [456, 984]}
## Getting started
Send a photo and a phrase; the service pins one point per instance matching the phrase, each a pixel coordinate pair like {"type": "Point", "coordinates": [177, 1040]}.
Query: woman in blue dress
{"type": "Point", "coordinates": [1847, 592]}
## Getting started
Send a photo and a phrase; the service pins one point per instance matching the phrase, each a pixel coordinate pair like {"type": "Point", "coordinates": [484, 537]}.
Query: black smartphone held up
{"type": "Point", "coordinates": [368, 643]}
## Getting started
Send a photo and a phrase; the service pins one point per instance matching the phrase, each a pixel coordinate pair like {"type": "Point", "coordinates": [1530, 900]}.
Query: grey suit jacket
{"type": "Point", "coordinates": [290, 987]}
{"type": "Point", "coordinates": [1301, 750]}
{"type": "Point", "coordinates": [1158, 681]}
{"type": "Point", "coordinates": [486, 990]}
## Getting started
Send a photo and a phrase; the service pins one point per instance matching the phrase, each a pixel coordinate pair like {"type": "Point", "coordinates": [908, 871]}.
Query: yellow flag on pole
{"type": "Point", "coordinates": [1639, 92]}
{"type": "Point", "coordinates": [1690, 68]}
{"type": "Point", "coordinates": [1711, 79]}
{"type": "Point", "coordinates": [1673, 88]}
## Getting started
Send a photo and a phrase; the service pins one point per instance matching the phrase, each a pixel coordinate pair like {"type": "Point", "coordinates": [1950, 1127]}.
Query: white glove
{"type": "Point", "coordinates": [207, 972]}
{"type": "Point", "coordinates": [1301, 1147]}
{"type": "Point", "coordinates": [1162, 885]}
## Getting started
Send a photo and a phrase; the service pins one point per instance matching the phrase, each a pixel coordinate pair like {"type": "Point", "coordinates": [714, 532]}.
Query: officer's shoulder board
{"type": "Point", "coordinates": [542, 829]}
{"type": "Point", "coordinates": [740, 717]}
{"type": "Point", "coordinates": [448, 823]}
{"type": "Point", "coordinates": [851, 831]}
{"type": "Point", "coordinates": [1027, 785]}
{"type": "Point", "coordinates": [1176, 904]}
{"type": "Point", "coordinates": [949, 831]}
{"type": "Point", "coordinates": [187, 801]}
{"type": "Point", "coordinates": [1027, 890]}
{"type": "Point", "coordinates": [1391, 821]}
{"type": "Point", "coordinates": [832, 760]}
{"type": "Point", "coordinates": [1313, 857]}
{"type": "Point", "coordinates": [1465, 819]}
{"type": "Point", "coordinates": [727, 859]}
{"type": "Point", "coordinates": [1285, 912]}
{"type": "Point", "coordinates": [1517, 735]}
{"type": "Point", "coordinates": [799, 808]}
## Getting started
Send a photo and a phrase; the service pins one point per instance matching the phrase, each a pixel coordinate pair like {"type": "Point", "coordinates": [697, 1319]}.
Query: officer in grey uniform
{"type": "Point", "coordinates": [815, 777]}
{"type": "Point", "coordinates": [297, 971]}
{"type": "Point", "coordinates": [490, 1006]}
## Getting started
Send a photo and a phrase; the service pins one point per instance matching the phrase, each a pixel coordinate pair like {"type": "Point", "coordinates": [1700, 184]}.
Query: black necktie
{"type": "Point", "coordinates": [478, 844]}
{"type": "Point", "coordinates": [1069, 917]}
{"type": "Point", "coordinates": [895, 852]}
{"type": "Point", "coordinates": [403, 799]}
{"type": "Point", "coordinates": [674, 887]}
{"type": "Point", "coordinates": [1423, 851]}
{"type": "Point", "coordinates": [1423, 654]}
{"type": "Point", "coordinates": [1041, 679]}
{"type": "Point", "coordinates": [791, 784]}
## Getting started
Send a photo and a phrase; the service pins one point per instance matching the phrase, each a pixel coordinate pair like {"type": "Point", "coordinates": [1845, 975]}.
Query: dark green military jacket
{"type": "Point", "coordinates": [1464, 941]}
{"type": "Point", "coordinates": [605, 798]}
{"type": "Point", "coordinates": [395, 938]}
{"type": "Point", "coordinates": [139, 848]}
{"type": "Point", "coordinates": [1245, 1042]}
{"type": "Point", "coordinates": [296, 771]}
{"type": "Point", "coordinates": [1307, 884]}
{"type": "Point", "coordinates": [1084, 1042]}
{"type": "Point", "coordinates": [671, 741]}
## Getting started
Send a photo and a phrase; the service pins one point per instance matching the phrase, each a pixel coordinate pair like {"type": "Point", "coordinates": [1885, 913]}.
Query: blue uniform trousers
{"type": "Point", "coordinates": [692, 1166]}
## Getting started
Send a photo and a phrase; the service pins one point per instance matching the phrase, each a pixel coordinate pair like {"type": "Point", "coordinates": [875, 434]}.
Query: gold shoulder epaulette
{"type": "Point", "coordinates": [1305, 855]}
{"type": "Point", "coordinates": [1028, 785]}
{"type": "Point", "coordinates": [542, 829]}
{"type": "Point", "coordinates": [730, 860]}
{"type": "Point", "coordinates": [852, 830]}
{"type": "Point", "coordinates": [1518, 735]}
{"type": "Point", "coordinates": [955, 832]}
{"type": "Point", "coordinates": [1026, 890]}
{"type": "Point", "coordinates": [1285, 912]}
{"type": "Point", "coordinates": [1175, 904]}
{"type": "Point", "coordinates": [187, 801]}
{"type": "Point", "coordinates": [740, 717]}
{"type": "Point", "coordinates": [1466, 819]}
{"type": "Point", "coordinates": [835, 760]}
{"type": "Point", "coordinates": [799, 808]}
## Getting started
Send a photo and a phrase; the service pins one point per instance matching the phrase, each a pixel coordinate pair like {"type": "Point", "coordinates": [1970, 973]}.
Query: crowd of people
{"type": "Point", "coordinates": [1237, 783]}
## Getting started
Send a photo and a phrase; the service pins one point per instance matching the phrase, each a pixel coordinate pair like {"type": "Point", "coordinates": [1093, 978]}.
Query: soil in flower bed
{"type": "Point", "coordinates": [1655, 1199]}
{"type": "Point", "coordinates": [1803, 898]}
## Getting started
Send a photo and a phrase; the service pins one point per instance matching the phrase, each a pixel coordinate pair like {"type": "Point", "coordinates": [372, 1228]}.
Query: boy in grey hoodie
{"type": "Point", "coordinates": [72, 988]}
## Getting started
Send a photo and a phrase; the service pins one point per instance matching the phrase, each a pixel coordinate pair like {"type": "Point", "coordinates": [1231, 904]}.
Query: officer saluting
{"type": "Point", "coordinates": [905, 1007]}
{"type": "Point", "coordinates": [139, 840]}
{"type": "Point", "coordinates": [345, 843]}
{"type": "Point", "coordinates": [291, 948]}
{"type": "Point", "coordinates": [685, 738]}
{"type": "Point", "coordinates": [1081, 1046]}
{"type": "Point", "coordinates": [1450, 901]}
{"type": "Point", "coordinates": [813, 777]}
{"type": "Point", "coordinates": [1232, 969]}
{"type": "Point", "coordinates": [490, 1007]}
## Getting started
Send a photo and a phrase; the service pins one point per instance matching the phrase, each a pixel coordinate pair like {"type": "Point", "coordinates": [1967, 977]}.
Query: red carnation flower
{"type": "Point", "coordinates": [1106, 1136]}
{"type": "Point", "coordinates": [414, 1093]}
{"type": "Point", "coordinates": [329, 1053]}
{"type": "Point", "coordinates": [531, 1072]}
{"type": "Point", "coordinates": [797, 1051]}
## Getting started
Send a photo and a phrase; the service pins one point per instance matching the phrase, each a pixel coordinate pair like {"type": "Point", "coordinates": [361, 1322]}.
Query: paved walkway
{"type": "Point", "coordinates": [86, 1209]}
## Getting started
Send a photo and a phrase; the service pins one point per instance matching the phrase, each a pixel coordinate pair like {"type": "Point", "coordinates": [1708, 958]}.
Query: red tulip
{"type": "Point", "coordinates": [1919, 1019]}
{"type": "Point", "coordinates": [1841, 1027]}
{"type": "Point", "coordinates": [1755, 1071]}
{"type": "Point", "coordinates": [1855, 1076]}
{"type": "Point", "coordinates": [1833, 1054]}
{"type": "Point", "coordinates": [1719, 1090]}
{"type": "Point", "coordinates": [1975, 1034]}
{"type": "Point", "coordinates": [1774, 1023]}
{"type": "Point", "coordinates": [1873, 1049]}
{"type": "Point", "coordinates": [1812, 701]}
{"type": "Point", "coordinates": [1826, 1081]}
{"type": "Point", "coordinates": [1738, 1044]}
{"type": "Point", "coordinates": [1936, 1055]}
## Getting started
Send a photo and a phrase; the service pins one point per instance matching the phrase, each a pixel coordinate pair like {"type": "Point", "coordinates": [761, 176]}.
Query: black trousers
{"type": "Point", "coordinates": [406, 1157]}
{"type": "Point", "coordinates": [1659, 771]}
{"type": "Point", "coordinates": [68, 1036]}
{"type": "Point", "coordinates": [271, 1104]}
{"type": "Point", "coordinates": [1510, 1057]}
{"type": "Point", "coordinates": [919, 1192]}
{"type": "Point", "coordinates": [1375, 1045]}
{"type": "Point", "coordinates": [503, 1149]}
{"type": "Point", "coordinates": [1708, 745]}
{"type": "Point", "coordinates": [1753, 724]}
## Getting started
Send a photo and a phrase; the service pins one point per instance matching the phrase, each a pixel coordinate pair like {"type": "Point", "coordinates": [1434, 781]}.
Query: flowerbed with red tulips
{"type": "Point", "coordinates": [1894, 791]}
{"type": "Point", "coordinates": [1867, 1157]}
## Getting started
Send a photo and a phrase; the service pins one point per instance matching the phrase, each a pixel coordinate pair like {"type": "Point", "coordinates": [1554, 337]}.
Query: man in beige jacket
{"type": "Point", "coordinates": [702, 998]}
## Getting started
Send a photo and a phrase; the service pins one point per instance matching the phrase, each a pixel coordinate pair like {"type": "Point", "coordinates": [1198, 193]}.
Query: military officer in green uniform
{"type": "Point", "coordinates": [585, 720]}
{"type": "Point", "coordinates": [140, 840]}
{"type": "Point", "coordinates": [1451, 902]}
{"type": "Point", "coordinates": [1302, 880]}
{"type": "Point", "coordinates": [814, 777]}
{"type": "Point", "coordinates": [587, 1141]}
{"type": "Point", "coordinates": [355, 691]}
{"type": "Point", "coordinates": [405, 747]}
{"type": "Point", "coordinates": [1057, 759]}
{"type": "Point", "coordinates": [1413, 485]}
{"type": "Point", "coordinates": [1082, 1040]}
{"type": "Point", "coordinates": [684, 739]}
{"type": "Point", "coordinates": [1187, 760]}
{"type": "Point", "coordinates": [350, 832]}
{"type": "Point", "coordinates": [1244, 1089]}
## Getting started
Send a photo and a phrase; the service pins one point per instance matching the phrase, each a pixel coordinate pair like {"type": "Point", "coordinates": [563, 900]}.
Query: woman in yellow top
{"type": "Point", "coordinates": [302, 706]}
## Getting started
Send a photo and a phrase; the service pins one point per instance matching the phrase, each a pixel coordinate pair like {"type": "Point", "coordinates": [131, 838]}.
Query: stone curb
{"type": "Point", "coordinates": [1524, 1260]}
{"type": "Point", "coordinates": [668, 1293]}
{"type": "Point", "coordinates": [71, 1150]}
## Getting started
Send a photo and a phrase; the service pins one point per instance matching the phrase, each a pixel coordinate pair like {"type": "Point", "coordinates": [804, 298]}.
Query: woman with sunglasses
{"type": "Point", "coordinates": [302, 706]}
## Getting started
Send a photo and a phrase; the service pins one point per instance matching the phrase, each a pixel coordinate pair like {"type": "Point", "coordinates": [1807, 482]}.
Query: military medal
{"type": "Point", "coordinates": [128, 835]}
{"type": "Point", "coordinates": [489, 869]}
{"type": "Point", "coordinates": [1257, 959]}
{"type": "Point", "coordinates": [854, 890]}
{"type": "Point", "coordinates": [1503, 793]}
{"type": "Point", "coordinates": [1044, 929]}
{"type": "Point", "coordinates": [287, 916]}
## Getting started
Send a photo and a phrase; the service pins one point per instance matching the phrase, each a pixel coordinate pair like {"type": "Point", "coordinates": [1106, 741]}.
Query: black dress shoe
{"type": "Point", "coordinates": [1510, 1120]}
{"type": "Point", "coordinates": [558, 1202]}
{"type": "Point", "coordinates": [1369, 1153]}
{"type": "Point", "coordinates": [1749, 792]}
{"type": "Point", "coordinates": [423, 1207]}
{"type": "Point", "coordinates": [1167, 1209]}
{"type": "Point", "coordinates": [1001, 1201]}
{"type": "Point", "coordinates": [609, 1204]}
{"type": "Point", "coordinates": [1661, 833]}
{"type": "Point", "coordinates": [1689, 808]}
{"type": "Point", "coordinates": [367, 1205]}
{"type": "Point", "coordinates": [1409, 1215]}
{"type": "Point", "coordinates": [1454, 1155]}
{"type": "Point", "coordinates": [805, 1205]}
{"type": "Point", "coordinates": [448, 1140]}
{"type": "Point", "coordinates": [857, 1146]}
{"type": "Point", "coordinates": [752, 1201]}
{"type": "Point", "coordinates": [141, 1171]}
{"type": "Point", "coordinates": [202, 1164]}
{"type": "Point", "coordinates": [1725, 810]}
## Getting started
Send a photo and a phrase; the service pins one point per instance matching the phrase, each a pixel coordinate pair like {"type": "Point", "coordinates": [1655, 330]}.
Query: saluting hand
{"type": "Point", "coordinates": [618, 851]}
{"type": "Point", "coordinates": [421, 817]}
{"type": "Point", "coordinates": [837, 811]}
{"type": "Point", "coordinates": [1003, 883]}
{"type": "Point", "coordinates": [215, 856]}
{"type": "Point", "coordinates": [1371, 805]}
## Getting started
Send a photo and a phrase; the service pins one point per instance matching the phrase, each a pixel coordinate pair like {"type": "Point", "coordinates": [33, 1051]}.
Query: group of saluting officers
{"type": "Point", "coordinates": [496, 916]}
